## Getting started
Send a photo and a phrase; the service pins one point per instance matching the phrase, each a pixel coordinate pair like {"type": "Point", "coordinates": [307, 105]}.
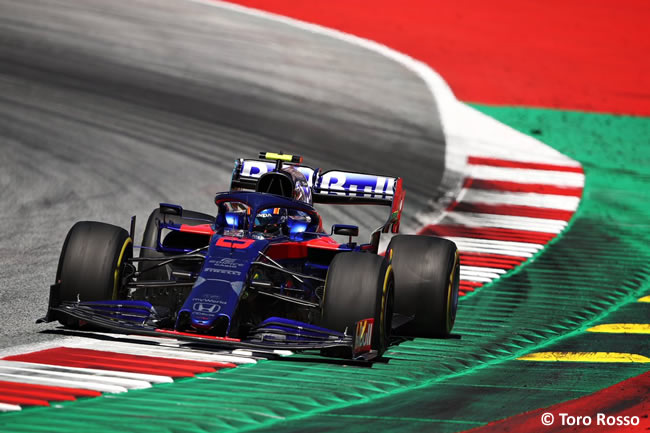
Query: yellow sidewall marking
{"type": "Point", "coordinates": [382, 316]}
{"type": "Point", "coordinates": [645, 299]}
{"type": "Point", "coordinates": [116, 274]}
{"type": "Point", "coordinates": [449, 293]}
{"type": "Point", "coordinates": [622, 328]}
{"type": "Point", "coordinates": [585, 357]}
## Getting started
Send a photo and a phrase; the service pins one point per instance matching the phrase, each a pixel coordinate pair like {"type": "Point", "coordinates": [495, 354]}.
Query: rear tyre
{"type": "Point", "coordinates": [427, 272]}
{"type": "Point", "coordinates": [359, 286]}
{"type": "Point", "coordinates": [151, 233]}
{"type": "Point", "coordinates": [92, 262]}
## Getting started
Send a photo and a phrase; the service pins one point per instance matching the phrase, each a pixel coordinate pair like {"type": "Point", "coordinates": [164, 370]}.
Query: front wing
{"type": "Point", "coordinates": [272, 334]}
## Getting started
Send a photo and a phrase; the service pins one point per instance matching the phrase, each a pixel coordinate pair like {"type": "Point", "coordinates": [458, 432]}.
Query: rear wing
{"type": "Point", "coordinates": [248, 171]}
{"type": "Point", "coordinates": [346, 187]}
{"type": "Point", "coordinates": [330, 187]}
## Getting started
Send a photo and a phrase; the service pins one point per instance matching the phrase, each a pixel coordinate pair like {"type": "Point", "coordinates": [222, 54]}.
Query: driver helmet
{"type": "Point", "coordinates": [271, 220]}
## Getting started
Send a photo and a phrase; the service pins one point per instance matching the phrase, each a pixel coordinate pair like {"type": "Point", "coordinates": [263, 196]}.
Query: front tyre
{"type": "Point", "coordinates": [427, 273]}
{"type": "Point", "coordinates": [92, 262]}
{"type": "Point", "coordinates": [359, 286]}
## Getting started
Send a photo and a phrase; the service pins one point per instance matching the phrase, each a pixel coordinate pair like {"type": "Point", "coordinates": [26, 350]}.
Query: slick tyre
{"type": "Point", "coordinates": [359, 286]}
{"type": "Point", "coordinates": [150, 236]}
{"type": "Point", "coordinates": [92, 262]}
{"type": "Point", "coordinates": [427, 271]}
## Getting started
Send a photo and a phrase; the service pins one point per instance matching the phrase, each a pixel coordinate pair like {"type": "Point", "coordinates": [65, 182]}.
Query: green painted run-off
{"type": "Point", "coordinates": [592, 274]}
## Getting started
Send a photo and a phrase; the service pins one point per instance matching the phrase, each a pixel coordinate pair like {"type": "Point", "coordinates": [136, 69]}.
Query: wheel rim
{"type": "Point", "coordinates": [118, 267]}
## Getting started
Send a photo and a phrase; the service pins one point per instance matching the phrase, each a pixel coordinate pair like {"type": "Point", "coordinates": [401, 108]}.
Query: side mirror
{"type": "Point", "coordinates": [171, 209]}
{"type": "Point", "coordinates": [345, 230]}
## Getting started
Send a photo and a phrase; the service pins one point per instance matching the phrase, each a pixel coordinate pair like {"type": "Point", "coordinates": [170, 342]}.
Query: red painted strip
{"type": "Point", "coordinates": [120, 366]}
{"type": "Point", "coordinates": [488, 233]}
{"type": "Point", "coordinates": [515, 260]}
{"type": "Point", "coordinates": [115, 365]}
{"type": "Point", "coordinates": [471, 283]}
{"type": "Point", "coordinates": [498, 185]}
{"type": "Point", "coordinates": [486, 264]}
{"type": "Point", "coordinates": [627, 398]}
{"type": "Point", "coordinates": [490, 263]}
{"type": "Point", "coordinates": [75, 357]}
{"type": "Point", "coordinates": [201, 229]}
{"type": "Point", "coordinates": [514, 210]}
{"type": "Point", "coordinates": [106, 360]}
{"type": "Point", "coordinates": [77, 392]}
{"type": "Point", "coordinates": [39, 395]}
{"type": "Point", "coordinates": [496, 162]}
{"type": "Point", "coordinates": [23, 401]}
{"type": "Point", "coordinates": [465, 286]}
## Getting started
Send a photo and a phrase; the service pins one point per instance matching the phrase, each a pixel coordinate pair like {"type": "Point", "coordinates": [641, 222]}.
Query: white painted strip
{"type": "Point", "coordinates": [465, 275]}
{"type": "Point", "coordinates": [67, 383]}
{"type": "Point", "coordinates": [6, 407]}
{"type": "Point", "coordinates": [549, 201]}
{"type": "Point", "coordinates": [523, 175]}
{"type": "Point", "coordinates": [151, 378]}
{"type": "Point", "coordinates": [477, 279]}
{"type": "Point", "coordinates": [515, 162]}
{"type": "Point", "coordinates": [41, 372]}
{"type": "Point", "coordinates": [489, 250]}
{"type": "Point", "coordinates": [481, 269]}
{"type": "Point", "coordinates": [260, 352]}
{"type": "Point", "coordinates": [506, 245]}
{"type": "Point", "coordinates": [517, 249]}
{"type": "Point", "coordinates": [471, 219]}
{"type": "Point", "coordinates": [161, 351]}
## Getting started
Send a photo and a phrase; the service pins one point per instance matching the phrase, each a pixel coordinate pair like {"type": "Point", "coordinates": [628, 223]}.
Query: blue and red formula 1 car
{"type": "Point", "coordinates": [263, 273]}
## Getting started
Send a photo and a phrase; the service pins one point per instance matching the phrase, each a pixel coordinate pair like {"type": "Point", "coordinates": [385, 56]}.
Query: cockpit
{"type": "Point", "coordinates": [237, 218]}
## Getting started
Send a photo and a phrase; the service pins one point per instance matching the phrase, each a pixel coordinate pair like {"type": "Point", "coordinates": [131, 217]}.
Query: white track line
{"type": "Point", "coordinates": [466, 275]}
{"type": "Point", "coordinates": [522, 175]}
{"type": "Point", "coordinates": [66, 383]}
{"type": "Point", "coordinates": [550, 201]}
{"type": "Point", "coordinates": [41, 371]}
{"type": "Point", "coordinates": [478, 220]}
{"type": "Point", "coordinates": [150, 378]}
{"type": "Point", "coordinates": [476, 270]}
{"type": "Point", "coordinates": [508, 248]}
{"type": "Point", "coordinates": [160, 351]}
{"type": "Point", "coordinates": [5, 407]}
{"type": "Point", "coordinates": [476, 278]}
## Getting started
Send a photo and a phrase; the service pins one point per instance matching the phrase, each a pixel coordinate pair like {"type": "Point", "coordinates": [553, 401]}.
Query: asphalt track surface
{"type": "Point", "coordinates": [108, 109]}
